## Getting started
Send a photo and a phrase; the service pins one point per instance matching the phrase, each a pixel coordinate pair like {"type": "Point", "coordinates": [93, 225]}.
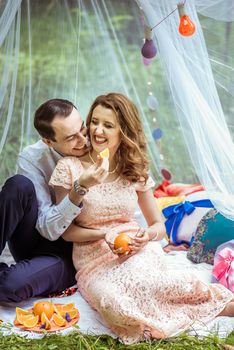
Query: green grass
{"type": "Point", "coordinates": [78, 341]}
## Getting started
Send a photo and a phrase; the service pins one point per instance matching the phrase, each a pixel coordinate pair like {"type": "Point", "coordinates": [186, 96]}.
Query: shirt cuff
{"type": "Point", "coordinates": [68, 209]}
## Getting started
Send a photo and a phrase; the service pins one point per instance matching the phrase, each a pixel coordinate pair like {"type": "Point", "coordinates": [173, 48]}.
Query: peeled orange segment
{"type": "Point", "coordinates": [67, 307]}
{"type": "Point", "coordinates": [45, 322]}
{"type": "Point", "coordinates": [31, 321]}
{"type": "Point", "coordinates": [59, 320]}
{"type": "Point", "coordinates": [105, 153]}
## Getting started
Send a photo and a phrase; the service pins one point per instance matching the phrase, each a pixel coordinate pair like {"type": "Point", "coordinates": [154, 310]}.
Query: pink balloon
{"type": "Point", "coordinates": [146, 61]}
{"type": "Point", "coordinates": [142, 20]}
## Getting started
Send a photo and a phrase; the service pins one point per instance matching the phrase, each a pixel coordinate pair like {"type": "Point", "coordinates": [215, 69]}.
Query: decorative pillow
{"type": "Point", "coordinates": [189, 223]}
{"type": "Point", "coordinates": [213, 230]}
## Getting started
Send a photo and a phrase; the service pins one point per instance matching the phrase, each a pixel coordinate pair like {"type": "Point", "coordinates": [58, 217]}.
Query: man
{"type": "Point", "coordinates": [29, 221]}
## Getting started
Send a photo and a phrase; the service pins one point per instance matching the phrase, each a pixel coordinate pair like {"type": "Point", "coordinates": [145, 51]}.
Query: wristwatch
{"type": "Point", "coordinates": [79, 189]}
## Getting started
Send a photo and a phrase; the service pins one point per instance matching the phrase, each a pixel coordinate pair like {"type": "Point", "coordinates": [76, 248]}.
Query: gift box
{"type": "Point", "coordinates": [223, 270]}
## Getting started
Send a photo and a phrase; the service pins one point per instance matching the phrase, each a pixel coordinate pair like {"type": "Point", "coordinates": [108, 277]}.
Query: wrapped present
{"type": "Point", "coordinates": [223, 270]}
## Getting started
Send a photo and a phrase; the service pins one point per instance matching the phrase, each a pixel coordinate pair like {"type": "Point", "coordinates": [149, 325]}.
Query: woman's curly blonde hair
{"type": "Point", "coordinates": [131, 155]}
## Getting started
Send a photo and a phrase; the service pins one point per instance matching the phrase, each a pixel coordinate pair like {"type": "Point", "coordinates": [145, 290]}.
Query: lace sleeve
{"type": "Point", "coordinates": [62, 174]}
{"type": "Point", "coordinates": [142, 187]}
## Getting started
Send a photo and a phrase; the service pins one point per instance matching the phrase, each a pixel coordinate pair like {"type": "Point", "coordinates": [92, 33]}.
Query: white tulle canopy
{"type": "Point", "coordinates": [186, 67]}
{"type": "Point", "coordinates": [192, 86]}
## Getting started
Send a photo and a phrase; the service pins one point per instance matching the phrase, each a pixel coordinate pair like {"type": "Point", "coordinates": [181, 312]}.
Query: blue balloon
{"type": "Point", "coordinates": [157, 133]}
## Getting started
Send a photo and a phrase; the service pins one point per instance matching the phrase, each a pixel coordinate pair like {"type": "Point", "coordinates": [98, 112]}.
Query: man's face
{"type": "Point", "coordinates": [70, 135]}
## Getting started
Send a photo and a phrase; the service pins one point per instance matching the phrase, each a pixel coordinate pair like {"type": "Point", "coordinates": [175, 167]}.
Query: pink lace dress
{"type": "Point", "coordinates": [141, 297]}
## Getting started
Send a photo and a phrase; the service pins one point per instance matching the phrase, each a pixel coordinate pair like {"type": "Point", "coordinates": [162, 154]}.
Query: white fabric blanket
{"type": "Point", "coordinates": [91, 323]}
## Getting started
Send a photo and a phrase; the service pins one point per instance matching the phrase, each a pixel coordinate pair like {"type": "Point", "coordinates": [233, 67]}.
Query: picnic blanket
{"type": "Point", "coordinates": [91, 323]}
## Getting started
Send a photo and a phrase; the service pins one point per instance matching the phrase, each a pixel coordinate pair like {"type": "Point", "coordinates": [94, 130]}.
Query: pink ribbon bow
{"type": "Point", "coordinates": [221, 269]}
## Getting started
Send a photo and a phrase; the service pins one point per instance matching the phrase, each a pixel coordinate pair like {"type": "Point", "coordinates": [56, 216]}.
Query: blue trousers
{"type": "Point", "coordinates": [42, 266]}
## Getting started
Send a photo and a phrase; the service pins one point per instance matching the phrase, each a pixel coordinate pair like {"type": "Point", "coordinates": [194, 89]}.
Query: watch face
{"type": "Point", "coordinates": [82, 191]}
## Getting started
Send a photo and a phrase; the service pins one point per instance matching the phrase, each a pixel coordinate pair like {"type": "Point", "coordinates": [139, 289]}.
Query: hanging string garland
{"type": "Point", "coordinates": [157, 132]}
{"type": "Point", "coordinates": [186, 28]}
{"type": "Point", "coordinates": [149, 50]}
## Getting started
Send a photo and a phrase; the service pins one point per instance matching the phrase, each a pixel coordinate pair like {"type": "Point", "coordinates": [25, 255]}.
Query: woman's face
{"type": "Point", "coordinates": [104, 130]}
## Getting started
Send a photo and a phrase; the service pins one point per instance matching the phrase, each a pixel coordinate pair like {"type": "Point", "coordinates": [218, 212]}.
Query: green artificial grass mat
{"type": "Point", "coordinates": [77, 341]}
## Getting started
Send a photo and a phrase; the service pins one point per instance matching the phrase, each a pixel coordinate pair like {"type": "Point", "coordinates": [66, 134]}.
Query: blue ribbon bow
{"type": "Point", "coordinates": [175, 213]}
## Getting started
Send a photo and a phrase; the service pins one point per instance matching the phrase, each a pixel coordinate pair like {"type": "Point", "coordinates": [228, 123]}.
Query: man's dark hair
{"type": "Point", "coordinates": [46, 113]}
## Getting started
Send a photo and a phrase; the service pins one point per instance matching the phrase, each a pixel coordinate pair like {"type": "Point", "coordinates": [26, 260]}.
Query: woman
{"type": "Point", "coordinates": [138, 297]}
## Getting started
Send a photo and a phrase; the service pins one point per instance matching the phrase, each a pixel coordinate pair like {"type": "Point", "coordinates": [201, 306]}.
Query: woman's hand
{"type": "Point", "coordinates": [139, 241]}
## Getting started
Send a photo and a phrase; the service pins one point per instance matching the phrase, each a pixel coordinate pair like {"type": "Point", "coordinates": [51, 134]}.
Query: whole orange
{"type": "Point", "coordinates": [122, 242]}
{"type": "Point", "coordinates": [43, 306]}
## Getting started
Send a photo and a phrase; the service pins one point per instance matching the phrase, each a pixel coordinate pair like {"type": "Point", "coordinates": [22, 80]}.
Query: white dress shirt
{"type": "Point", "coordinates": [37, 163]}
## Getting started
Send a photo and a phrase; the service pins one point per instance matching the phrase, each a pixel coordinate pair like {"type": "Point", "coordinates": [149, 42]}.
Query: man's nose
{"type": "Point", "coordinates": [82, 139]}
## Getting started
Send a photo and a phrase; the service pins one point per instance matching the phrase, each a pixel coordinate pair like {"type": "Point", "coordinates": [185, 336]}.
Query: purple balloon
{"type": "Point", "coordinates": [149, 49]}
{"type": "Point", "coordinates": [157, 133]}
{"type": "Point", "coordinates": [166, 174]}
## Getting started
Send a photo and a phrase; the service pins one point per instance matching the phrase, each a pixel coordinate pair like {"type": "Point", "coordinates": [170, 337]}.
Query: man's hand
{"type": "Point", "coordinates": [94, 175]}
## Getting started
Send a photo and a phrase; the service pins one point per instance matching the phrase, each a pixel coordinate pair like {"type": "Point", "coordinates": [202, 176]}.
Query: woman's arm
{"type": "Point", "coordinates": [156, 228]}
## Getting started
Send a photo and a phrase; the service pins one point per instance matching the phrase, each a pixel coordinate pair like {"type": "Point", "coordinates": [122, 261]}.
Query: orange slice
{"type": "Point", "coordinates": [105, 153]}
{"type": "Point", "coordinates": [57, 309]}
{"type": "Point", "coordinates": [59, 320]}
{"type": "Point", "coordinates": [73, 313]}
{"type": "Point", "coordinates": [22, 318]}
{"type": "Point", "coordinates": [67, 307]}
{"type": "Point", "coordinates": [31, 321]}
{"type": "Point", "coordinates": [45, 322]}
{"type": "Point", "coordinates": [20, 311]}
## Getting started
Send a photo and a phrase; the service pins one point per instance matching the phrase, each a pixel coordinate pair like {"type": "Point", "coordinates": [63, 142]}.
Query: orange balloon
{"type": "Point", "coordinates": [122, 242]}
{"type": "Point", "coordinates": [186, 27]}
{"type": "Point", "coordinates": [43, 306]}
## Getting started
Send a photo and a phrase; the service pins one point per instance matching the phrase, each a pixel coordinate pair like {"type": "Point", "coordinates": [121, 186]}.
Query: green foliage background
{"type": "Point", "coordinates": [56, 43]}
